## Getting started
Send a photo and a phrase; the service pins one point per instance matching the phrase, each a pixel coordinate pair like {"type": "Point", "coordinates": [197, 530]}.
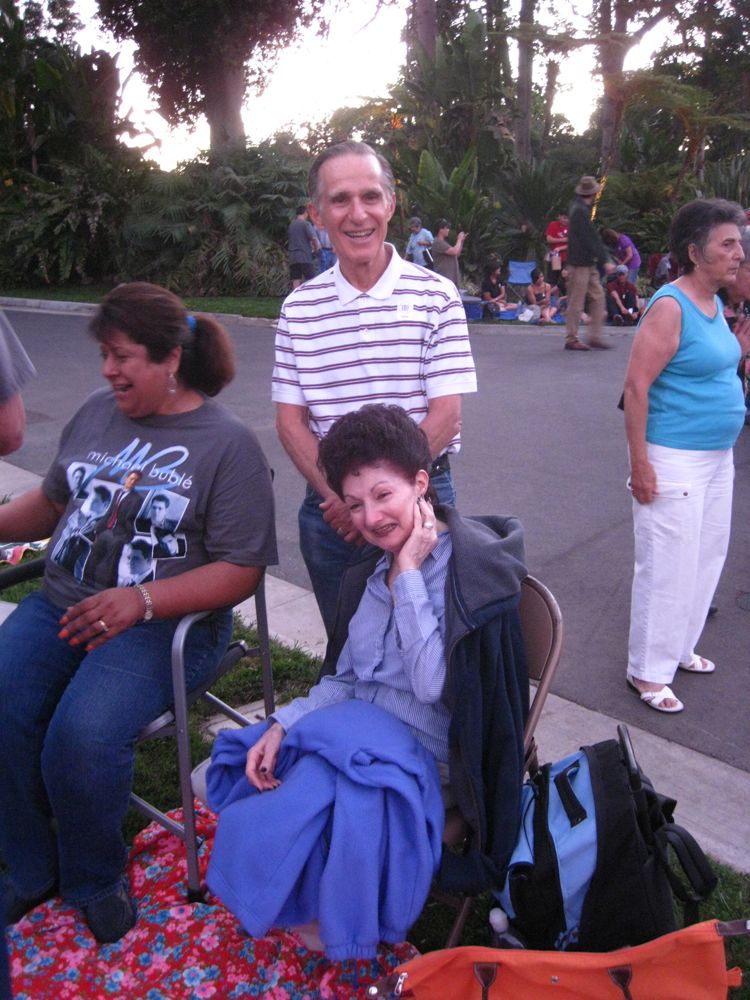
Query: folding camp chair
{"type": "Point", "coordinates": [174, 721]}
{"type": "Point", "coordinates": [542, 629]}
{"type": "Point", "coordinates": [519, 276]}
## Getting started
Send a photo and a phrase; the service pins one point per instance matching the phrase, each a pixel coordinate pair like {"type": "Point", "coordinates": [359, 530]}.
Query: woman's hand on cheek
{"type": "Point", "coordinates": [421, 541]}
{"type": "Point", "coordinates": [99, 618]}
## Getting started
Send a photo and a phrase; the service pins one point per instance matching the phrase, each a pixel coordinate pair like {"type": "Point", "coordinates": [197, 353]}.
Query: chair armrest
{"type": "Point", "coordinates": [31, 569]}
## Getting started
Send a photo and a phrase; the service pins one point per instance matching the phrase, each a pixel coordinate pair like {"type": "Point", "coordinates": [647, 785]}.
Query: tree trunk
{"type": "Point", "coordinates": [424, 26]}
{"type": "Point", "coordinates": [616, 37]}
{"type": "Point", "coordinates": [225, 94]}
{"type": "Point", "coordinates": [550, 89]}
{"type": "Point", "coordinates": [498, 53]}
{"type": "Point", "coordinates": [525, 69]}
{"type": "Point", "coordinates": [613, 46]}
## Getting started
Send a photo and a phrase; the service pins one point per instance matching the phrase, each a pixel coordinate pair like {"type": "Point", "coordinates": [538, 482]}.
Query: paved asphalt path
{"type": "Point", "coordinates": [543, 439]}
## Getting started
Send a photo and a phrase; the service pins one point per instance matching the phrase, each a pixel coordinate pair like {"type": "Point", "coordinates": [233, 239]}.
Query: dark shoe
{"type": "Point", "coordinates": [599, 345]}
{"type": "Point", "coordinates": [16, 906]}
{"type": "Point", "coordinates": [617, 319]}
{"type": "Point", "coordinates": [575, 345]}
{"type": "Point", "coordinates": [112, 917]}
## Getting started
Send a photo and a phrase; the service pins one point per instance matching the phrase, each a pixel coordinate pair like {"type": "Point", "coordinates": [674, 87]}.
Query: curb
{"type": "Point", "coordinates": [48, 305]}
{"type": "Point", "coordinates": [89, 308]}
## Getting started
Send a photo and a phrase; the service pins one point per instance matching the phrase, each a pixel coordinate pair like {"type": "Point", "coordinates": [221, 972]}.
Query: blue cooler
{"type": "Point", "coordinates": [472, 307]}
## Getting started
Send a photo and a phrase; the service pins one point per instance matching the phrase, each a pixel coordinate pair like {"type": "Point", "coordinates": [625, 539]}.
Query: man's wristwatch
{"type": "Point", "coordinates": [148, 614]}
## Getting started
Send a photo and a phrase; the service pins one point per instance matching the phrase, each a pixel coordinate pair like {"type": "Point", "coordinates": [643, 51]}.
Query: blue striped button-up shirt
{"type": "Point", "coordinates": [394, 656]}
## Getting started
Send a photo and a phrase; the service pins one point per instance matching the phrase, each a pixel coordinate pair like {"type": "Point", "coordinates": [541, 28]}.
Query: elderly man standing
{"type": "Point", "coordinates": [376, 329]}
{"type": "Point", "coordinates": [419, 241]}
{"type": "Point", "coordinates": [586, 254]}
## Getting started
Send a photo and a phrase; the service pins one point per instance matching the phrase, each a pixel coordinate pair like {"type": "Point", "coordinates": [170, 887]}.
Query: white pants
{"type": "Point", "coordinates": [681, 541]}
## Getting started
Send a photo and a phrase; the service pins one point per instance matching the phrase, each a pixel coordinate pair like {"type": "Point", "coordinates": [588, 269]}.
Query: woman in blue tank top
{"type": "Point", "coordinates": [683, 413]}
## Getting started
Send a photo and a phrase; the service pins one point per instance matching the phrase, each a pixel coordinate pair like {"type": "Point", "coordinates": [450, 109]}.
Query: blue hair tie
{"type": "Point", "coordinates": [192, 323]}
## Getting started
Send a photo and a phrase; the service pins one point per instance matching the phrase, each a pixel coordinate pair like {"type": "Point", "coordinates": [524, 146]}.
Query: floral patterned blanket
{"type": "Point", "coordinates": [177, 950]}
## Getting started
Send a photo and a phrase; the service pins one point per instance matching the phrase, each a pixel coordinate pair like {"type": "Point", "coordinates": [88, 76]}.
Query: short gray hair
{"type": "Point", "coordinates": [692, 226]}
{"type": "Point", "coordinates": [348, 148]}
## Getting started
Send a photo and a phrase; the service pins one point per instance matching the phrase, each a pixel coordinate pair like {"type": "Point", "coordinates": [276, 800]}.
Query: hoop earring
{"type": "Point", "coordinates": [171, 384]}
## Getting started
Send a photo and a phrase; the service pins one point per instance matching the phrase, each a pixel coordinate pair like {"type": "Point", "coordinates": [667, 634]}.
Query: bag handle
{"type": "Point", "coordinates": [485, 974]}
{"type": "Point", "coordinates": [652, 808]}
{"type": "Point", "coordinates": [733, 928]}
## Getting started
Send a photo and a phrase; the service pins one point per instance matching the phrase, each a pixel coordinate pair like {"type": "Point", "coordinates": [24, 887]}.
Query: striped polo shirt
{"type": "Point", "coordinates": [404, 341]}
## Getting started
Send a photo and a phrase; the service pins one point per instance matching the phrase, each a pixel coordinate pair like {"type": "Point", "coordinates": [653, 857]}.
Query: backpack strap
{"type": "Point", "coordinates": [550, 920]}
{"type": "Point", "coordinates": [694, 863]}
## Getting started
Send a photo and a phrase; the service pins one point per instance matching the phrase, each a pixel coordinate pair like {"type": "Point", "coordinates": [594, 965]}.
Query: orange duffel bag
{"type": "Point", "coordinates": [688, 964]}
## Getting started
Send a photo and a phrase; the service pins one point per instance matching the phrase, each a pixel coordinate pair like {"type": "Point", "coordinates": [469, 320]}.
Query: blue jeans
{"type": "Point", "coordinates": [68, 726]}
{"type": "Point", "coordinates": [327, 259]}
{"type": "Point", "coordinates": [326, 554]}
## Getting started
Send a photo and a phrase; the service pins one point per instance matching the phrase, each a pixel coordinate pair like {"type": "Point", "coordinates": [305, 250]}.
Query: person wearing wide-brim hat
{"type": "Point", "coordinates": [588, 186]}
{"type": "Point", "coordinates": [586, 254]}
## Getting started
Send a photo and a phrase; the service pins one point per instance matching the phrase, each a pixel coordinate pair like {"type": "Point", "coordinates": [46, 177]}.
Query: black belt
{"type": "Point", "coordinates": [441, 464]}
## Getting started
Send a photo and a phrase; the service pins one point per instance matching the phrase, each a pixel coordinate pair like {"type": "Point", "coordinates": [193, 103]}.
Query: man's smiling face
{"type": "Point", "coordinates": [355, 207]}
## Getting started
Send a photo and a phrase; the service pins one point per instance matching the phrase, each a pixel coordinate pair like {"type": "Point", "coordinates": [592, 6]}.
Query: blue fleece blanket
{"type": "Point", "coordinates": [352, 837]}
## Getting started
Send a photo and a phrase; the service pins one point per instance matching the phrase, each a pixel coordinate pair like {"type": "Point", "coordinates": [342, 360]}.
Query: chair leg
{"type": "Point", "coordinates": [194, 893]}
{"type": "Point", "coordinates": [458, 924]}
{"type": "Point", "coordinates": [261, 615]}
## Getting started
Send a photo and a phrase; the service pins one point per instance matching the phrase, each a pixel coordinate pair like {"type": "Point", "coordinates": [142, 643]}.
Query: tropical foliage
{"type": "Point", "coordinates": [67, 179]}
{"type": "Point", "coordinates": [470, 136]}
{"type": "Point", "coordinates": [208, 230]}
{"type": "Point", "coordinates": [70, 228]}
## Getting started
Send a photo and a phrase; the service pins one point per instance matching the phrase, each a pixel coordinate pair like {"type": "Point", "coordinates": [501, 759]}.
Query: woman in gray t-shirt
{"type": "Point", "coordinates": [159, 503]}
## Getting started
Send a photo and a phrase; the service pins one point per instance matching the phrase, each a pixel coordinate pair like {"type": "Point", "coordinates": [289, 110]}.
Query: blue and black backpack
{"type": "Point", "coordinates": [591, 868]}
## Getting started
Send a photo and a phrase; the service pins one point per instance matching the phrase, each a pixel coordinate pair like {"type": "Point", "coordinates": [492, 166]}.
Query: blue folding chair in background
{"type": "Point", "coordinates": [519, 276]}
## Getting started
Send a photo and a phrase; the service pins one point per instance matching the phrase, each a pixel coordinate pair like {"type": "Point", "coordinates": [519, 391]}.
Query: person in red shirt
{"type": "Point", "coordinates": [556, 237]}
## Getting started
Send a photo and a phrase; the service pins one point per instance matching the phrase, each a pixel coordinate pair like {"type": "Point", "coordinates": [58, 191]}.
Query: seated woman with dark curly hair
{"type": "Point", "coordinates": [432, 648]}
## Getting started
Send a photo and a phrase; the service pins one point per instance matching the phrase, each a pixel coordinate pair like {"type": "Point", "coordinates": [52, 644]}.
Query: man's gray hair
{"type": "Point", "coordinates": [348, 148]}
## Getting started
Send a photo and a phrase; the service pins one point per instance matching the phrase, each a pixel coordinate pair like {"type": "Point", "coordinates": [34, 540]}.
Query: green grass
{"type": "Point", "coordinates": [240, 305]}
{"type": "Point", "coordinates": [294, 671]}
{"type": "Point", "coordinates": [731, 901]}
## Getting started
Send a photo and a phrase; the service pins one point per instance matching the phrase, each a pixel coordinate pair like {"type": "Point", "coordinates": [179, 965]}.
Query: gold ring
{"type": "Point", "coordinates": [429, 525]}
{"type": "Point", "coordinates": [103, 627]}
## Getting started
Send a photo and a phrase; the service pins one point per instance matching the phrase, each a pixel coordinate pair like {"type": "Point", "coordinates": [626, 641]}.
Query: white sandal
{"type": "Point", "coordinates": [656, 699]}
{"type": "Point", "coordinates": [698, 665]}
